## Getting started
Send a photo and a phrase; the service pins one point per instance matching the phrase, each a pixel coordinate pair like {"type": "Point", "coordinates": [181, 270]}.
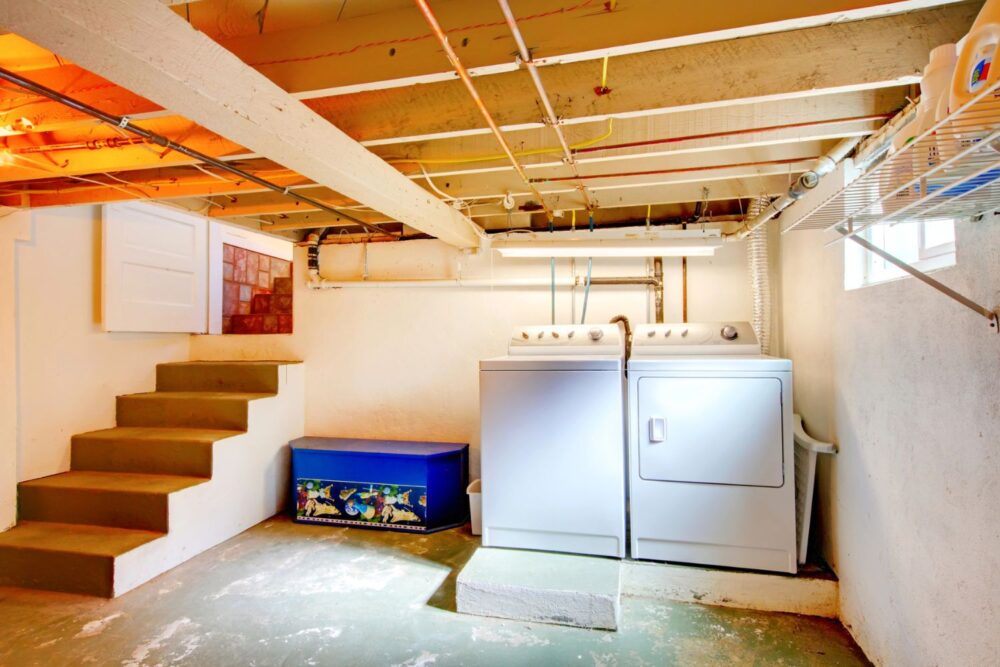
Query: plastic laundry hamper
{"type": "Point", "coordinates": [806, 449]}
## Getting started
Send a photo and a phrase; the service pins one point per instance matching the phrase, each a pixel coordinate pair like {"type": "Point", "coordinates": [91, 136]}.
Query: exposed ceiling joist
{"type": "Point", "coordinates": [883, 52]}
{"type": "Point", "coordinates": [146, 48]}
{"type": "Point", "coordinates": [393, 49]}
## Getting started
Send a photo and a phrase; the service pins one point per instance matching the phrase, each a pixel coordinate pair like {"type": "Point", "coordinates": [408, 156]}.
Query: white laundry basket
{"type": "Point", "coordinates": [806, 449]}
{"type": "Point", "coordinates": [476, 506]}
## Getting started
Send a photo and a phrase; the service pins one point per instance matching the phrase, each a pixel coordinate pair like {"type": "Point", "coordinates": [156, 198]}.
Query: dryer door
{"type": "Point", "coordinates": [712, 430]}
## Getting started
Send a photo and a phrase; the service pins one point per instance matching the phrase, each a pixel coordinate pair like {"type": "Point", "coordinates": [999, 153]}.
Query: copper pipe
{"type": "Point", "coordinates": [463, 74]}
{"type": "Point", "coordinates": [684, 289]}
{"type": "Point", "coordinates": [658, 285]}
{"type": "Point", "coordinates": [676, 171]}
{"type": "Point", "coordinates": [733, 133]}
{"type": "Point", "coordinates": [93, 145]}
{"type": "Point", "coordinates": [551, 119]}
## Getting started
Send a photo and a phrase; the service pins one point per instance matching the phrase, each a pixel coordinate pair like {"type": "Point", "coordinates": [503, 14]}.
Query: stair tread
{"type": "Point", "coordinates": [116, 481]}
{"type": "Point", "coordinates": [204, 395]}
{"type": "Point", "coordinates": [75, 538]}
{"type": "Point", "coordinates": [161, 434]}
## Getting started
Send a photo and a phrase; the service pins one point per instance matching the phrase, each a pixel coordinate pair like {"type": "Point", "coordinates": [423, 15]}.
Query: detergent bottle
{"type": "Point", "coordinates": [934, 97]}
{"type": "Point", "coordinates": [976, 68]}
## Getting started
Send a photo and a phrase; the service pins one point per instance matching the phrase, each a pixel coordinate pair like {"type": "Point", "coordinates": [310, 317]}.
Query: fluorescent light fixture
{"type": "Point", "coordinates": [689, 247]}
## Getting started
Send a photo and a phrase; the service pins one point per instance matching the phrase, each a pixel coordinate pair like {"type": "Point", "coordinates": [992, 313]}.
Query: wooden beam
{"type": "Point", "coordinates": [393, 49]}
{"type": "Point", "coordinates": [145, 47]}
{"type": "Point", "coordinates": [865, 55]}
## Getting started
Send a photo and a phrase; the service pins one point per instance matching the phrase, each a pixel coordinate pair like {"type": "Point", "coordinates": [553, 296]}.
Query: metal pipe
{"type": "Point", "coordinates": [463, 74]}
{"type": "Point", "coordinates": [878, 144]}
{"type": "Point", "coordinates": [803, 184]}
{"type": "Point", "coordinates": [318, 283]}
{"type": "Point", "coordinates": [93, 145]}
{"type": "Point", "coordinates": [658, 288]}
{"type": "Point", "coordinates": [732, 133]}
{"type": "Point", "coordinates": [551, 119]}
{"type": "Point", "coordinates": [124, 123]}
{"type": "Point", "coordinates": [656, 172]}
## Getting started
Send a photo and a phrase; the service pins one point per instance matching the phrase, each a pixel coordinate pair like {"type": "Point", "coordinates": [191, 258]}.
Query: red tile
{"type": "Point", "coordinates": [243, 308]}
{"type": "Point", "coordinates": [283, 303]}
{"type": "Point", "coordinates": [269, 324]}
{"type": "Point", "coordinates": [263, 279]}
{"type": "Point", "coordinates": [230, 297]}
{"type": "Point", "coordinates": [240, 265]}
{"type": "Point", "coordinates": [227, 253]}
{"type": "Point", "coordinates": [227, 324]}
{"type": "Point", "coordinates": [282, 285]}
{"type": "Point", "coordinates": [247, 324]}
{"type": "Point", "coordinates": [281, 268]}
{"type": "Point", "coordinates": [253, 262]}
{"type": "Point", "coordinates": [285, 324]}
{"type": "Point", "coordinates": [227, 271]}
{"type": "Point", "coordinates": [261, 304]}
{"type": "Point", "coordinates": [246, 292]}
{"type": "Point", "coordinates": [265, 263]}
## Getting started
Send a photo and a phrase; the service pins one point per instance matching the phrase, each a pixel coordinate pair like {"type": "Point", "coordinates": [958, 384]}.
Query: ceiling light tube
{"type": "Point", "coordinates": [609, 248]}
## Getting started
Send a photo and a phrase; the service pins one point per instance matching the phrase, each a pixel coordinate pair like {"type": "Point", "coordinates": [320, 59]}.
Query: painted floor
{"type": "Point", "coordinates": [289, 594]}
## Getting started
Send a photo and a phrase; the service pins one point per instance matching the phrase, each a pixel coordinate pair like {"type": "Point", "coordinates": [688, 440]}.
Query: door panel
{"type": "Point", "coordinates": [155, 269]}
{"type": "Point", "coordinates": [718, 430]}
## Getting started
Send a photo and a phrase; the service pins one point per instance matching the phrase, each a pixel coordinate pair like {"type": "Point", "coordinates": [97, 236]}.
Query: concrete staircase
{"type": "Point", "coordinates": [189, 465]}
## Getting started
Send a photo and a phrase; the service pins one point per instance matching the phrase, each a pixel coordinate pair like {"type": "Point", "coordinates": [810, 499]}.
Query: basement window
{"type": "Point", "coordinates": [927, 245]}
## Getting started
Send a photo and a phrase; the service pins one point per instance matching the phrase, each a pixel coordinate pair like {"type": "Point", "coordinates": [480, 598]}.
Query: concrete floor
{"type": "Point", "coordinates": [289, 594]}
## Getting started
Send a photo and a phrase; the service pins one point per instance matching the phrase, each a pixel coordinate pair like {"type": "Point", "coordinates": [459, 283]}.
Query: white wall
{"type": "Point", "coordinates": [69, 369]}
{"type": "Point", "coordinates": [908, 383]}
{"type": "Point", "coordinates": [403, 363]}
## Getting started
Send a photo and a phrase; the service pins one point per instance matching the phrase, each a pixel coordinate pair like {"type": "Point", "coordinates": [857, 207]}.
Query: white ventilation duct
{"type": "Point", "coordinates": [760, 276]}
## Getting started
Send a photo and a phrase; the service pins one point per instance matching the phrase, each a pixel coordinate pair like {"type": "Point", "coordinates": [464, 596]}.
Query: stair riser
{"type": "Point", "coordinates": [121, 509]}
{"type": "Point", "coordinates": [230, 414]}
{"type": "Point", "coordinates": [159, 457]}
{"type": "Point", "coordinates": [57, 571]}
{"type": "Point", "coordinates": [217, 377]}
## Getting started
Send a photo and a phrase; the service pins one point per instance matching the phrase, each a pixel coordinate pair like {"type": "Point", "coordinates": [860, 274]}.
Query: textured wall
{"type": "Point", "coordinates": [403, 363]}
{"type": "Point", "coordinates": [908, 383]}
{"type": "Point", "coordinates": [71, 370]}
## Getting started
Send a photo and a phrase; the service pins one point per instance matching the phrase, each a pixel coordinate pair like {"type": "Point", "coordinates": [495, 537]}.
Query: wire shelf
{"type": "Point", "coordinates": [950, 171]}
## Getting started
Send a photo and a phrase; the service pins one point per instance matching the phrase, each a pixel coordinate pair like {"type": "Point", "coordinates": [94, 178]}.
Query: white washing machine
{"type": "Point", "coordinates": [711, 468]}
{"type": "Point", "coordinates": [553, 441]}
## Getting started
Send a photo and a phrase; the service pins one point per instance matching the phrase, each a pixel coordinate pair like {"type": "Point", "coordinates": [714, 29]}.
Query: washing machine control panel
{"type": "Point", "coordinates": [567, 339]}
{"type": "Point", "coordinates": [694, 338]}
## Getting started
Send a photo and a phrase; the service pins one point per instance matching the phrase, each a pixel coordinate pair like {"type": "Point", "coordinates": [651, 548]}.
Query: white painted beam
{"type": "Point", "coordinates": [145, 47]}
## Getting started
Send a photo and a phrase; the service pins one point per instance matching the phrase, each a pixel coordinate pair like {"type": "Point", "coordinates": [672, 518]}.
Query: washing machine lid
{"type": "Point", "coordinates": [537, 362]}
{"type": "Point", "coordinates": [706, 362]}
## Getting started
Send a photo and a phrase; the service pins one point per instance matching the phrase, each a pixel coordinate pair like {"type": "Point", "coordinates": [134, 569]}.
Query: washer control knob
{"type": "Point", "coordinates": [684, 333]}
{"type": "Point", "coordinates": [650, 333]}
{"type": "Point", "coordinates": [667, 334]}
{"type": "Point", "coordinates": [541, 333]}
{"type": "Point", "coordinates": [570, 334]}
{"type": "Point", "coordinates": [555, 334]}
{"type": "Point", "coordinates": [729, 332]}
{"type": "Point", "coordinates": [596, 334]}
{"type": "Point", "coordinates": [524, 335]}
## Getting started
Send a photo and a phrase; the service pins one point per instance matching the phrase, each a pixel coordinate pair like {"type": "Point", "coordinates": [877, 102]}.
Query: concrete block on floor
{"type": "Point", "coordinates": [581, 591]}
{"type": "Point", "coordinates": [812, 592]}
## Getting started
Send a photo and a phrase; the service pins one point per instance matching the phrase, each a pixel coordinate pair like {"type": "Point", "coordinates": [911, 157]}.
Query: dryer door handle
{"type": "Point", "coordinates": [657, 429]}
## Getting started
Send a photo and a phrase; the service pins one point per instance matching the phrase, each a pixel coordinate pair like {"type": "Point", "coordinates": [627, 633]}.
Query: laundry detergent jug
{"type": "Point", "coordinates": [976, 69]}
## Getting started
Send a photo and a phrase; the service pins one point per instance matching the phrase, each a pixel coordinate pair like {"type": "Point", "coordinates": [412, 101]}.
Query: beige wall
{"type": "Point", "coordinates": [70, 370]}
{"type": "Point", "coordinates": [908, 383]}
{"type": "Point", "coordinates": [403, 363]}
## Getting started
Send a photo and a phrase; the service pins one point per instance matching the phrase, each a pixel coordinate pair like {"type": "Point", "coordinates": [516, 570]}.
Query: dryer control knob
{"type": "Point", "coordinates": [684, 333]}
{"type": "Point", "coordinates": [596, 334]}
{"type": "Point", "coordinates": [541, 333]}
{"type": "Point", "coordinates": [570, 334]}
{"type": "Point", "coordinates": [555, 334]}
{"type": "Point", "coordinates": [650, 333]}
{"type": "Point", "coordinates": [524, 335]}
{"type": "Point", "coordinates": [729, 332]}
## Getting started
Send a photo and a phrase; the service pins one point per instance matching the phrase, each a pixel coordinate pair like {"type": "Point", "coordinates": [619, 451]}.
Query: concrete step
{"type": "Point", "coordinates": [115, 499]}
{"type": "Point", "coordinates": [536, 586]}
{"type": "Point", "coordinates": [154, 450]}
{"type": "Point", "coordinates": [66, 557]}
{"type": "Point", "coordinates": [190, 409]}
{"type": "Point", "coordinates": [236, 376]}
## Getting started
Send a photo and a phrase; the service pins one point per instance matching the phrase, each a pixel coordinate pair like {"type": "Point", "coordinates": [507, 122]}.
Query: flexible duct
{"type": "Point", "coordinates": [760, 276]}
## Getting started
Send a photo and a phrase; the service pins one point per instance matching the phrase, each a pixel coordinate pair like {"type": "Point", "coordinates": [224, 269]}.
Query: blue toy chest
{"type": "Point", "coordinates": [387, 484]}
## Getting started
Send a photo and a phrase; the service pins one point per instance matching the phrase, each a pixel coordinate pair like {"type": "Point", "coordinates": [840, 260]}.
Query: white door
{"type": "Point", "coordinates": [155, 269]}
{"type": "Point", "coordinates": [718, 430]}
